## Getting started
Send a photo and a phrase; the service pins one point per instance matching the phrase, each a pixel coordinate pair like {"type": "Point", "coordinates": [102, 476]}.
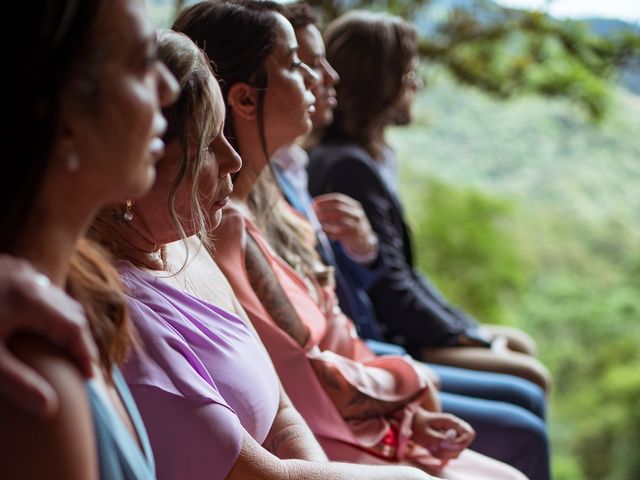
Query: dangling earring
{"type": "Point", "coordinates": [128, 211]}
{"type": "Point", "coordinates": [72, 162]}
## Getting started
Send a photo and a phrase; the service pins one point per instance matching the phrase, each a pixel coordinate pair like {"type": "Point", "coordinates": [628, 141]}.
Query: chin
{"type": "Point", "coordinates": [402, 120]}
{"type": "Point", "coordinates": [142, 184]}
{"type": "Point", "coordinates": [322, 119]}
{"type": "Point", "coordinates": [308, 125]}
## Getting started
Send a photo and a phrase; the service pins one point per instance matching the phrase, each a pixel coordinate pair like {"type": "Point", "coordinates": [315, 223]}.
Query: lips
{"type": "Point", "coordinates": [327, 103]}
{"type": "Point", "coordinates": [156, 148]}
{"type": "Point", "coordinates": [332, 101]}
{"type": "Point", "coordinates": [326, 99]}
{"type": "Point", "coordinates": [310, 101]}
{"type": "Point", "coordinates": [220, 204]}
{"type": "Point", "coordinates": [330, 98]}
{"type": "Point", "coordinates": [223, 198]}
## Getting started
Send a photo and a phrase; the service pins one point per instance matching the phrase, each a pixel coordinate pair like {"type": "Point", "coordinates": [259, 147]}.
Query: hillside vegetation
{"type": "Point", "coordinates": [527, 213]}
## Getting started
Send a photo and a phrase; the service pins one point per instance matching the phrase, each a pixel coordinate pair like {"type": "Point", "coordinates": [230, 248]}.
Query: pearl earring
{"type": "Point", "coordinates": [72, 162]}
{"type": "Point", "coordinates": [128, 212]}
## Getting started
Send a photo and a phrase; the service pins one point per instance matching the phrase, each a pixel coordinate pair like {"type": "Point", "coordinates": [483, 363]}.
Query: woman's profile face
{"type": "Point", "coordinates": [223, 159]}
{"type": "Point", "coordinates": [119, 142]}
{"type": "Point", "coordinates": [312, 52]}
{"type": "Point", "coordinates": [288, 101]}
{"type": "Point", "coordinates": [218, 161]}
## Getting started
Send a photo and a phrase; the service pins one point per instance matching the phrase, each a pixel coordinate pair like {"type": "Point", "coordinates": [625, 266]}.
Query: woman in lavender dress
{"type": "Point", "coordinates": [207, 391]}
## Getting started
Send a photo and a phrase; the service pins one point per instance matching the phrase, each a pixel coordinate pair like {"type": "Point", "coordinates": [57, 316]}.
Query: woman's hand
{"type": "Point", "coordinates": [444, 435]}
{"type": "Point", "coordinates": [431, 401]}
{"type": "Point", "coordinates": [28, 302]}
{"type": "Point", "coordinates": [343, 219]}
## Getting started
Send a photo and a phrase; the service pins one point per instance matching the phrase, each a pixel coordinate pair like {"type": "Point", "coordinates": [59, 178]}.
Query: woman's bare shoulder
{"type": "Point", "coordinates": [60, 447]}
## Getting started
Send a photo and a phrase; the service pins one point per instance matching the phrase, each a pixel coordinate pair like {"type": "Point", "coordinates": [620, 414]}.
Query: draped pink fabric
{"type": "Point", "coordinates": [393, 385]}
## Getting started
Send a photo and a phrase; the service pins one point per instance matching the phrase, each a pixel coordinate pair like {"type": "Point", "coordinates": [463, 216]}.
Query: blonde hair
{"type": "Point", "coordinates": [191, 121]}
{"type": "Point", "coordinates": [292, 238]}
{"type": "Point", "coordinates": [192, 114]}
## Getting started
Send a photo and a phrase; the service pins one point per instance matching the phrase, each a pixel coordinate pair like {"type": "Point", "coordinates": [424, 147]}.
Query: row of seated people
{"type": "Point", "coordinates": [201, 302]}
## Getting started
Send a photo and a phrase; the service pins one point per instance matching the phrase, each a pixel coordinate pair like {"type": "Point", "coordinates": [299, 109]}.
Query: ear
{"type": "Point", "coordinates": [243, 100]}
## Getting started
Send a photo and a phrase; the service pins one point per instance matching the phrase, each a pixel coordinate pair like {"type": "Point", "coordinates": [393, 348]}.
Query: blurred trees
{"type": "Point", "coordinates": [508, 52]}
{"type": "Point", "coordinates": [501, 226]}
{"type": "Point", "coordinates": [584, 317]}
{"type": "Point", "coordinates": [469, 249]}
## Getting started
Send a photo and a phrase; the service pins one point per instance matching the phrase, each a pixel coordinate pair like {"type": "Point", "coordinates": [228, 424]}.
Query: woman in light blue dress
{"type": "Point", "coordinates": [118, 454]}
{"type": "Point", "coordinates": [84, 129]}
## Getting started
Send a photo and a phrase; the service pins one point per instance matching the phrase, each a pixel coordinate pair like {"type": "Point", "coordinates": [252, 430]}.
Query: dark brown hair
{"type": "Point", "coordinates": [52, 51]}
{"type": "Point", "coordinates": [57, 58]}
{"type": "Point", "coordinates": [300, 15]}
{"type": "Point", "coordinates": [237, 36]}
{"type": "Point", "coordinates": [292, 238]}
{"type": "Point", "coordinates": [372, 52]}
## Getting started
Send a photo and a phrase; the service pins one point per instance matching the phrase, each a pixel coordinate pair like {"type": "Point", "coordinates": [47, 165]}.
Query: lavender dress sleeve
{"type": "Point", "coordinates": [194, 433]}
{"type": "Point", "coordinates": [190, 440]}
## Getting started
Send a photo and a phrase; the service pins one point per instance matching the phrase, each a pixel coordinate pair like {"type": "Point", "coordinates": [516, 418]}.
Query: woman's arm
{"type": "Point", "coordinates": [266, 287]}
{"type": "Point", "coordinates": [61, 447]}
{"type": "Point", "coordinates": [351, 401]}
{"type": "Point", "coordinates": [290, 437]}
{"type": "Point", "coordinates": [258, 464]}
{"type": "Point", "coordinates": [29, 302]}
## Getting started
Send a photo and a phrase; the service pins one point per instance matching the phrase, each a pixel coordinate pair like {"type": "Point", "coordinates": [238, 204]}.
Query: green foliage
{"type": "Point", "coordinates": [607, 442]}
{"type": "Point", "coordinates": [562, 194]}
{"type": "Point", "coordinates": [464, 233]}
{"type": "Point", "coordinates": [520, 52]}
{"type": "Point", "coordinates": [509, 52]}
{"type": "Point", "coordinates": [403, 8]}
{"type": "Point", "coordinates": [585, 317]}
{"type": "Point", "coordinates": [502, 51]}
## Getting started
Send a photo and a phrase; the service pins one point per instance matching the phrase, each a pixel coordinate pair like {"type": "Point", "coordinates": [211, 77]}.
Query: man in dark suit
{"type": "Point", "coordinates": [376, 57]}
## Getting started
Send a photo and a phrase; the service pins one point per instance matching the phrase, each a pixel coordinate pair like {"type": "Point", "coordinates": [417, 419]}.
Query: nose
{"type": "Point", "coordinates": [329, 74]}
{"type": "Point", "coordinates": [310, 77]}
{"type": "Point", "coordinates": [228, 159]}
{"type": "Point", "coordinates": [168, 87]}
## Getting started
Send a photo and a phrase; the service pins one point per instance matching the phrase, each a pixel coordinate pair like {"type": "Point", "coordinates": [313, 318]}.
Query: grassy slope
{"type": "Point", "coordinates": [531, 149]}
{"type": "Point", "coordinates": [574, 186]}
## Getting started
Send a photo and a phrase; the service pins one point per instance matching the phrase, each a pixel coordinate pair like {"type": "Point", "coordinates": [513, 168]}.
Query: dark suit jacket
{"type": "Point", "coordinates": [412, 310]}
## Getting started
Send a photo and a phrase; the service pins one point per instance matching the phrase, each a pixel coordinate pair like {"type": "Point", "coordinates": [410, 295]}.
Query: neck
{"type": "Point", "coordinates": [48, 243]}
{"type": "Point", "coordinates": [140, 240]}
{"type": "Point", "coordinates": [156, 260]}
{"type": "Point", "coordinates": [254, 164]}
